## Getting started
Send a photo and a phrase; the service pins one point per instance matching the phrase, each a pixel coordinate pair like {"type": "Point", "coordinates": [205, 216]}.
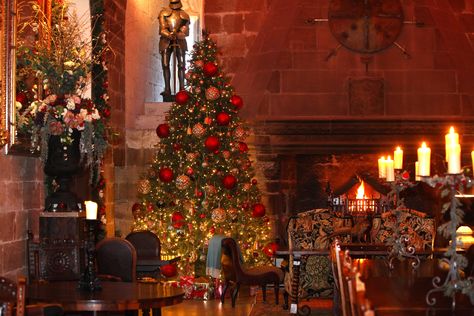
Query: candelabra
{"type": "Point", "coordinates": [399, 242]}
{"type": "Point", "coordinates": [454, 283]}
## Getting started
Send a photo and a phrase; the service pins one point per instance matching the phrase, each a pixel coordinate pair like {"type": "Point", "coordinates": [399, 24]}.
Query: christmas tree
{"type": "Point", "coordinates": [201, 181]}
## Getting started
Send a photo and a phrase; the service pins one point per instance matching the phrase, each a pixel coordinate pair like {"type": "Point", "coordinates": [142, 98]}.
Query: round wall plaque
{"type": "Point", "coordinates": [365, 26]}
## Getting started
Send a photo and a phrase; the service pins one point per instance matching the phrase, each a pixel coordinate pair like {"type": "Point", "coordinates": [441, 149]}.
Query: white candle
{"type": "Point", "coordinates": [472, 158]}
{"type": "Point", "coordinates": [382, 168]}
{"type": "Point", "coordinates": [454, 159]}
{"type": "Point", "coordinates": [91, 210]}
{"type": "Point", "coordinates": [417, 176]}
{"type": "Point", "coordinates": [450, 138]}
{"type": "Point", "coordinates": [390, 174]}
{"type": "Point", "coordinates": [424, 155]}
{"type": "Point", "coordinates": [398, 158]}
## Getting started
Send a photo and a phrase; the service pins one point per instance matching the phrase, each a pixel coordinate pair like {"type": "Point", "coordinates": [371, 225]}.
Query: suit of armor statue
{"type": "Point", "coordinates": [174, 27]}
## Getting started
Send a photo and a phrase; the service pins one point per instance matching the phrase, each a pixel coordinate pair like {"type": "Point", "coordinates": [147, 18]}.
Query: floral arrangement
{"type": "Point", "coordinates": [54, 67]}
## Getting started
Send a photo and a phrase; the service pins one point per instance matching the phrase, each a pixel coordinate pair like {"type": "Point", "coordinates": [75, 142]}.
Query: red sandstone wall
{"type": "Point", "coordinates": [234, 24]}
{"type": "Point", "coordinates": [21, 200]}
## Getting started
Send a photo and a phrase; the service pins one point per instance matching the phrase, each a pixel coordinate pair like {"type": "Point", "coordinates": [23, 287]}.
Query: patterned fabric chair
{"type": "Point", "coordinates": [317, 229]}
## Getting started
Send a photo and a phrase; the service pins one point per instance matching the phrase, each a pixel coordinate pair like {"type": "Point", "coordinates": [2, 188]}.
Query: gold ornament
{"type": "Point", "coordinates": [226, 154]}
{"type": "Point", "coordinates": [234, 171]}
{"type": "Point", "coordinates": [210, 189]}
{"type": "Point", "coordinates": [239, 133]}
{"type": "Point", "coordinates": [182, 182]}
{"type": "Point", "coordinates": [198, 130]}
{"type": "Point", "coordinates": [212, 93]}
{"type": "Point", "coordinates": [193, 257]}
{"type": "Point", "coordinates": [144, 186]}
{"type": "Point", "coordinates": [207, 120]}
{"type": "Point", "coordinates": [246, 187]}
{"type": "Point", "coordinates": [233, 213]}
{"type": "Point", "coordinates": [218, 215]}
{"type": "Point", "coordinates": [191, 156]}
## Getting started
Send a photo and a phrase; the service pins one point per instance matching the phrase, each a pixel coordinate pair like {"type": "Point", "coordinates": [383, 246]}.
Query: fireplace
{"type": "Point", "coordinates": [360, 199]}
{"type": "Point", "coordinates": [305, 164]}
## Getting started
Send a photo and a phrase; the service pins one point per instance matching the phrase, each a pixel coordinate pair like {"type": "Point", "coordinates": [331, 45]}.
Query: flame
{"type": "Point", "coordinates": [361, 191]}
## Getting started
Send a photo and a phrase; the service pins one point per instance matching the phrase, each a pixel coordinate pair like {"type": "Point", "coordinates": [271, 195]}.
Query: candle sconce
{"type": "Point", "coordinates": [89, 280]}
{"type": "Point", "coordinates": [453, 182]}
{"type": "Point", "coordinates": [399, 243]}
{"type": "Point", "coordinates": [454, 283]}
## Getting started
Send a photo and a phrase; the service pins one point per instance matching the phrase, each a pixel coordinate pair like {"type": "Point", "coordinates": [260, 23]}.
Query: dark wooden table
{"type": "Point", "coordinates": [402, 291]}
{"type": "Point", "coordinates": [114, 296]}
{"type": "Point", "coordinates": [356, 250]}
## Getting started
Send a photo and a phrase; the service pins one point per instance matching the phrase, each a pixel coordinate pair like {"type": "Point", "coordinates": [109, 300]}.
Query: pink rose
{"type": "Point", "coordinates": [56, 128]}
{"type": "Point", "coordinates": [68, 118]}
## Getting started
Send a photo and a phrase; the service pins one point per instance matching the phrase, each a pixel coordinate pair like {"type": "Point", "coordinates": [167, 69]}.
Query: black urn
{"type": "Point", "coordinates": [63, 162]}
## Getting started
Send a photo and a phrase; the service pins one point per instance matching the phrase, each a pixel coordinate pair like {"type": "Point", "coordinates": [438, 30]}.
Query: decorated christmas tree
{"type": "Point", "coordinates": [201, 181]}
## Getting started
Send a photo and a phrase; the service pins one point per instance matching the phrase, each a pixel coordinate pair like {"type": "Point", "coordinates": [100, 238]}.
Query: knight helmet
{"type": "Point", "coordinates": [175, 4]}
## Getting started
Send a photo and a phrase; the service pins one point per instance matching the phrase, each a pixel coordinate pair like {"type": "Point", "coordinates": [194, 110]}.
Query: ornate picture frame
{"type": "Point", "coordinates": [7, 68]}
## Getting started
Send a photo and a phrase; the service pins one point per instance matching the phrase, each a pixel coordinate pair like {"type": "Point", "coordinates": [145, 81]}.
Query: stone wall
{"type": "Point", "coordinates": [234, 24]}
{"type": "Point", "coordinates": [115, 26]}
{"type": "Point", "coordinates": [21, 200]}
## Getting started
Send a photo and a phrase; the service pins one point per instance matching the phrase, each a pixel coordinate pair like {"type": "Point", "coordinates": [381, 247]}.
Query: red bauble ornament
{"type": "Point", "coordinates": [270, 249]}
{"type": "Point", "coordinates": [258, 210]}
{"type": "Point", "coordinates": [166, 174]}
{"type": "Point", "coordinates": [163, 130]}
{"type": "Point", "coordinates": [176, 147]}
{"type": "Point", "coordinates": [177, 220]}
{"type": "Point", "coordinates": [237, 102]}
{"type": "Point", "coordinates": [202, 215]}
{"type": "Point", "coordinates": [169, 270]}
{"type": "Point", "coordinates": [254, 181]}
{"type": "Point", "coordinates": [136, 207]}
{"type": "Point", "coordinates": [209, 69]}
{"type": "Point", "coordinates": [243, 147]}
{"type": "Point", "coordinates": [21, 97]}
{"type": "Point", "coordinates": [212, 143]}
{"type": "Point", "coordinates": [229, 181]}
{"type": "Point", "coordinates": [182, 97]}
{"type": "Point", "coordinates": [223, 118]}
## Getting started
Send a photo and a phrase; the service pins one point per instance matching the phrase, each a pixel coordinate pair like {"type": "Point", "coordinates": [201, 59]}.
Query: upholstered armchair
{"type": "Point", "coordinates": [148, 248]}
{"type": "Point", "coordinates": [116, 260]}
{"type": "Point", "coordinates": [12, 301]}
{"type": "Point", "coordinates": [234, 272]}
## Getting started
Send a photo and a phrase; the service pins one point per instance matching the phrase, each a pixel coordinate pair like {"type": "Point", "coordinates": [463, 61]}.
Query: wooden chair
{"type": "Point", "coordinates": [116, 260]}
{"type": "Point", "coordinates": [12, 301]}
{"type": "Point", "coordinates": [235, 273]}
{"type": "Point", "coordinates": [148, 248]}
{"type": "Point", "coordinates": [341, 301]}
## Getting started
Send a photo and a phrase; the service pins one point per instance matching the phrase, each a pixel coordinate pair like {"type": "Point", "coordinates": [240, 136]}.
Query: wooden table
{"type": "Point", "coordinates": [114, 296]}
{"type": "Point", "coordinates": [356, 250]}
{"type": "Point", "coordinates": [402, 291]}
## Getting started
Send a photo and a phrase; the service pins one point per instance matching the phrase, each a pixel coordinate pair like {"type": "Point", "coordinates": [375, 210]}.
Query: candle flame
{"type": "Point", "coordinates": [398, 148]}
{"type": "Point", "coordinates": [423, 145]}
{"type": "Point", "coordinates": [451, 130]}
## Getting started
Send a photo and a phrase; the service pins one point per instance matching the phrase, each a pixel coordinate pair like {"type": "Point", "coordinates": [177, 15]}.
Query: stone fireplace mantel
{"type": "Point", "coordinates": [353, 135]}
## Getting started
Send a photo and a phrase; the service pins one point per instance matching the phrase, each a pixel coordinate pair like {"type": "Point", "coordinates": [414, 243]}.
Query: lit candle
{"type": "Point", "coordinates": [472, 158]}
{"type": "Point", "coordinates": [390, 174]}
{"type": "Point", "coordinates": [417, 176]}
{"type": "Point", "coordinates": [454, 159]}
{"type": "Point", "coordinates": [382, 169]}
{"type": "Point", "coordinates": [91, 210]}
{"type": "Point", "coordinates": [398, 158]}
{"type": "Point", "coordinates": [424, 155]}
{"type": "Point", "coordinates": [450, 138]}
